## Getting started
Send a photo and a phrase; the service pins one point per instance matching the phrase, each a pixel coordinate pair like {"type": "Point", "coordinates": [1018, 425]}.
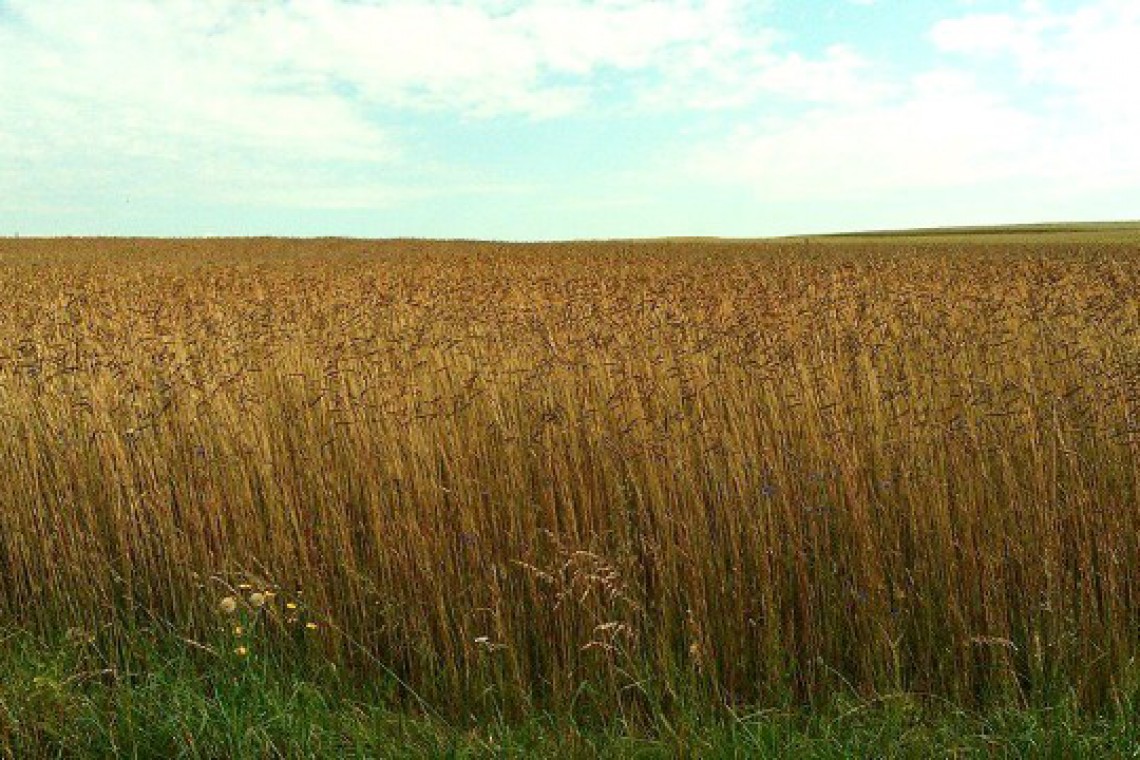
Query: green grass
{"type": "Point", "coordinates": [61, 699]}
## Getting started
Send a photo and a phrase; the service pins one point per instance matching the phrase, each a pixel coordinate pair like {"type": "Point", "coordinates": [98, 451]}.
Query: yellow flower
{"type": "Point", "coordinates": [241, 651]}
{"type": "Point", "coordinates": [228, 605]}
{"type": "Point", "coordinates": [257, 599]}
{"type": "Point", "coordinates": [290, 606]}
{"type": "Point", "coordinates": [311, 626]}
{"type": "Point", "coordinates": [238, 630]}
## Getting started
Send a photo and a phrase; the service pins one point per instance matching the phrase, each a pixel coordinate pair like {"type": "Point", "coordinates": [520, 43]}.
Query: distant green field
{"type": "Point", "coordinates": [1060, 228]}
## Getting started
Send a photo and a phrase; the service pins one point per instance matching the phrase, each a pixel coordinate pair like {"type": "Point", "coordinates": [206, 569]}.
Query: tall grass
{"type": "Point", "coordinates": [589, 477]}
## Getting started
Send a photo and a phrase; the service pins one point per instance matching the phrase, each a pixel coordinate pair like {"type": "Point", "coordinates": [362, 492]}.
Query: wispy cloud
{"type": "Point", "coordinates": [362, 104]}
{"type": "Point", "coordinates": [947, 130]}
{"type": "Point", "coordinates": [223, 99]}
{"type": "Point", "coordinates": [1033, 100]}
{"type": "Point", "coordinates": [1075, 72]}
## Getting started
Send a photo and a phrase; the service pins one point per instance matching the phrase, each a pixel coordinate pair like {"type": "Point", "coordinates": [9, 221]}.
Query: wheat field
{"type": "Point", "coordinates": [600, 477]}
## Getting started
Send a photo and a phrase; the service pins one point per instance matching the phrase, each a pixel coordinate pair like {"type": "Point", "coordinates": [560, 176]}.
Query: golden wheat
{"type": "Point", "coordinates": [623, 473]}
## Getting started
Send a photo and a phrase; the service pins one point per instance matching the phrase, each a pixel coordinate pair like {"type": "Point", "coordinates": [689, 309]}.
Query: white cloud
{"type": "Point", "coordinates": [946, 132]}
{"type": "Point", "coordinates": [1091, 54]}
{"type": "Point", "coordinates": [482, 57]}
{"type": "Point", "coordinates": [138, 76]}
{"type": "Point", "coordinates": [225, 98]}
{"type": "Point", "coordinates": [703, 80]}
{"type": "Point", "coordinates": [1042, 99]}
{"type": "Point", "coordinates": [1082, 64]}
{"type": "Point", "coordinates": [312, 103]}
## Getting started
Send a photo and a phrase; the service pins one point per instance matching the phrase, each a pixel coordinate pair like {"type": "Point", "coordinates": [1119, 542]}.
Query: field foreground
{"type": "Point", "coordinates": [588, 480]}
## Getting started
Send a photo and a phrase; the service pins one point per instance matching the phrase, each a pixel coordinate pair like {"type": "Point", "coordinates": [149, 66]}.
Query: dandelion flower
{"type": "Point", "coordinates": [241, 651]}
{"type": "Point", "coordinates": [257, 599]}
{"type": "Point", "coordinates": [244, 586]}
{"type": "Point", "coordinates": [228, 605]}
{"type": "Point", "coordinates": [290, 606]}
{"type": "Point", "coordinates": [311, 626]}
{"type": "Point", "coordinates": [238, 630]}
{"type": "Point", "coordinates": [487, 645]}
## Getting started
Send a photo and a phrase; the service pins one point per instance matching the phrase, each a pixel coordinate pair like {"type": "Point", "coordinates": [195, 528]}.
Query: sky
{"type": "Point", "coordinates": [502, 119]}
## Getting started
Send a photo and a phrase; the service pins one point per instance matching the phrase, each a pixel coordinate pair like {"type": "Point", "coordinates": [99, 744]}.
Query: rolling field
{"type": "Point", "coordinates": [594, 479]}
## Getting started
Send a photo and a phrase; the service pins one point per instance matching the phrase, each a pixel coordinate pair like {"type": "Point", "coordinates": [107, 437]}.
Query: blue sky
{"type": "Point", "coordinates": [563, 119]}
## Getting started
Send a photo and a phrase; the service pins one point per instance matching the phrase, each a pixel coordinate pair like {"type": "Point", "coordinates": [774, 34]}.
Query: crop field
{"type": "Point", "coordinates": [609, 478]}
